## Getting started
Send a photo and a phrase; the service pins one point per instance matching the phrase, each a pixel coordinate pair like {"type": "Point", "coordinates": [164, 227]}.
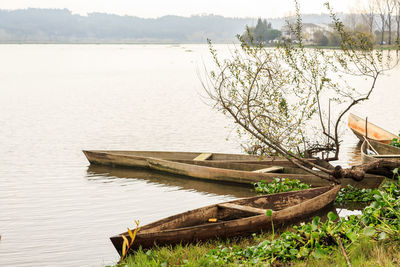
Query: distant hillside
{"type": "Point", "coordinates": [61, 26]}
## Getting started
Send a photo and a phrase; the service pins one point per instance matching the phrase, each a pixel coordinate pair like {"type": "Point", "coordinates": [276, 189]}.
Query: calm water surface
{"type": "Point", "coordinates": [56, 100]}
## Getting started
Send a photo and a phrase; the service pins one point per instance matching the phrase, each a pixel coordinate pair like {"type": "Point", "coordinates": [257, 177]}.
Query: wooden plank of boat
{"type": "Point", "coordinates": [242, 208]}
{"type": "Point", "coordinates": [203, 156]}
{"type": "Point", "coordinates": [385, 151]}
{"type": "Point", "coordinates": [243, 165]}
{"type": "Point", "coordinates": [233, 218]}
{"type": "Point", "coordinates": [376, 133]}
{"type": "Point", "coordinates": [247, 177]}
{"type": "Point", "coordinates": [137, 159]}
{"type": "Point", "coordinates": [270, 169]}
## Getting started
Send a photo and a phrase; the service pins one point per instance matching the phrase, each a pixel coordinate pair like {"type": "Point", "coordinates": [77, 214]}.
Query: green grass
{"type": "Point", "coordinates": [187, 255]}
{"type": "Point", "coordinates": [364, 254]}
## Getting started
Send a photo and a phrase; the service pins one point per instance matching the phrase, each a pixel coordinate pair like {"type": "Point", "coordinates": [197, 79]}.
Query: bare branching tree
{"type": "Point", "coordinates": [291, 100]}
{"type": "Point", "coordinates": [368, 15]}
{"type": "Point", "coordinates": [397, 18]}
{"type": "Point", "coordinates": [390, 7]}
{"type": "Point", "coordinates": [381, 9]}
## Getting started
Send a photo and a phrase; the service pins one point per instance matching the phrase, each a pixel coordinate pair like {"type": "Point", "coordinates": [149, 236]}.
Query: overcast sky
{"type": "Point", "coordinates": [157, 8]}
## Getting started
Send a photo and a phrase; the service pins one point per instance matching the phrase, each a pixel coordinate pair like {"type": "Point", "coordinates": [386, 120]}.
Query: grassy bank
{"type": "Point", "coordinates": [369, 239]}
{"type": "Point", "coordinates": [364, 253]}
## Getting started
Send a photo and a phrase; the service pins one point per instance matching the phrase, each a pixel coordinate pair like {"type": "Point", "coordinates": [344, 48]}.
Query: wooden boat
{"type": "Point", "coordinates": [373, 150]}
{"type": "Point", "coordinates": [246, 177]}
{"type": "Point", "coordinates": [233, 218]}
{"type": "Point", "coordinates": [376, 133]}
{"type": "Point", "coordinates": [137, 159]}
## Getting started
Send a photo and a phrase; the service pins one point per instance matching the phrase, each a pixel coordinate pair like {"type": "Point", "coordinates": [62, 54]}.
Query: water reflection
{"type": "Point", "coordinates": [106, 174]}
{"type": "Point", "coordinates": [345, 212]}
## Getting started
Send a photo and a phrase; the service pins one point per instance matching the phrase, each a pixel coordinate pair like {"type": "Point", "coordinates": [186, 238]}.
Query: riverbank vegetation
{"type": "Point", "coordinates": [378, 21]}
{"type": "Point", "coordinates": [363, 253]}
{"type": "Point", "coordinates": [396, 141]}
{"type": "Point", "coordinates": [369, 238]}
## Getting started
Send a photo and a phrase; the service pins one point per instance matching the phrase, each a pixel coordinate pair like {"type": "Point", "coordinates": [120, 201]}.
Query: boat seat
{"type": "Point", "coordinates": [203, 156]}
{"type": "Point", "coordinates": [270, 169]}
{"type": "Point", "coordinates": [242, 208]}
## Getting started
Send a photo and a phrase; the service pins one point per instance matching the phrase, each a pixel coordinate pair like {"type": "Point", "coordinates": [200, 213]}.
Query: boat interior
{"type": "Point", "coordinates": [233, 210]}
{"type": "Point", "coordinates": [171, 155]}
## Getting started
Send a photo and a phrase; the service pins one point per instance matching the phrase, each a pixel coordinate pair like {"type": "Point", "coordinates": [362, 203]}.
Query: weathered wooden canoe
{"type": "Point", "coordinates": [376, 133]}
{"type": "Point", "coordinates": [234, 218]}
{"type": "Point", "coordinates": [246, 177]}
{"type": "Point", "coordinates": [379, 151]}
{"type": "Point", "coordinates": [137, 159]}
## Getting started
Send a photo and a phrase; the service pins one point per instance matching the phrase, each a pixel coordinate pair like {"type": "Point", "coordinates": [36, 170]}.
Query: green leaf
{"type": "Point", "coordinates": [382, 236]}
{"type": "Point", "coordinates": [352, 236]}
{"type": "Point", "coordinates": [269, 213]}
{"type": "Point", "coordinates": [304, 252]}
{"type": "Point", "coordinates": [293, 252]}
{"type": "Point", "coordinates": [369, 231]}
{"type": "Point", "coordinates": [315, 235]}
{"type": "Point", "coordinates": [319, 253]}
{"type": "Point", "coordinates": [332, 216]}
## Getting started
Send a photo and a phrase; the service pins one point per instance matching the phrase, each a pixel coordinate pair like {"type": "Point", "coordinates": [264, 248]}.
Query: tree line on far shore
{"type": "Point", "coordinates": [378, 21]}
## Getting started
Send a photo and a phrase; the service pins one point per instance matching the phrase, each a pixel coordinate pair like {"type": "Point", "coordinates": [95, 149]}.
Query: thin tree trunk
{"type": "Point", "coordinates": [382, 28]}
{"type": "Point", "coordinates": [390, 28]}
{"type": "Point", "coordinates": [398, 30]}
{"type": "Point", "coordinates": [398, 22]}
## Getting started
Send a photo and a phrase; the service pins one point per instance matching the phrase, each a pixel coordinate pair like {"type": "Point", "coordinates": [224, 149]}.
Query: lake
{"type": "Point", "coordinates": [56, 100]}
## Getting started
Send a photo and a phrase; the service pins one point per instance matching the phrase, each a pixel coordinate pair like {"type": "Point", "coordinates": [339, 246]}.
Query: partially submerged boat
{"type": "Point", "coordinates": [257, 174]}
{"type": "Point", "coordinates": [231, 168]}
{"type": "Point", "coordinates": [234, 218]}
{"type": "Point", "coordinates": [138, 159]}
{"type": "Point", "coordinates": [372, 150]}
{"type": "Point", "coordinates": [374, 132]}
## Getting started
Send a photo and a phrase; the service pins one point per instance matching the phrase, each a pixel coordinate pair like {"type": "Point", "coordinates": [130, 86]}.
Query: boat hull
{"type": "Point", "coordinates": [193, 226]}
{"type": "Point", "coordinates": [376, 133]}
{"type": "Point", "coordinates": [138, 159]}
{"type": "Point", "coordinates": [247, 177]}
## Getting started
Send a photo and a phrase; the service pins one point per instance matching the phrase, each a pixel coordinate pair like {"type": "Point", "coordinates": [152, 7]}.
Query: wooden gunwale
{"type": "Point", "coordinates": [137, 159]}
{"type": "Point", "coordinates": [376, 133]}
{"type": "Point", "coordinates": [246, 177]}
{"type": "Point", "coordinates": [384, 150]}
{"type": "Point", "coordinates": [193, 226]}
